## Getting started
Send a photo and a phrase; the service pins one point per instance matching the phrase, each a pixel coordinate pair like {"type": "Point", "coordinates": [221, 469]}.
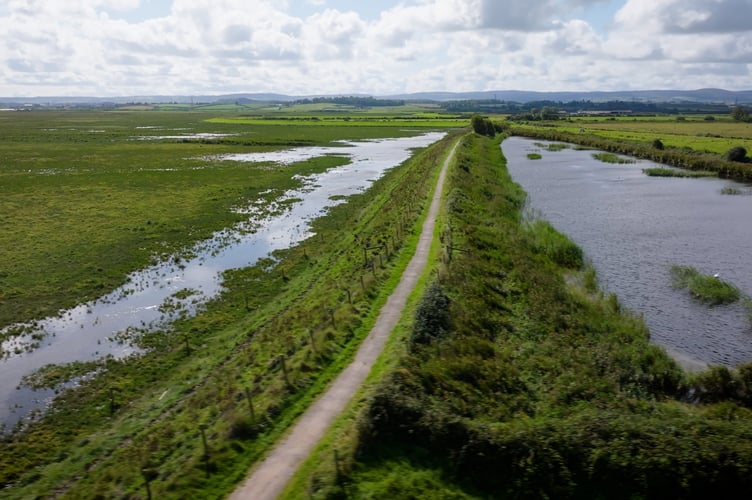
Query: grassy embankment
{"type": "Point", "coordinates": [697, 145]}
{"type": "Point", "coordinates": [238, 373]}
{"type": "Point", "coordinates": [531, 382]}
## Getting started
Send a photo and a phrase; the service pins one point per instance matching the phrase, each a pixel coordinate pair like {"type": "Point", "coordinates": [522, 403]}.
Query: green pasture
{"type": "Point", "coordinates": [717, 136]}
{"type": "Point", "coordinates": [349, 121]}
{"type": "Point", "coordinates": [307, 109]}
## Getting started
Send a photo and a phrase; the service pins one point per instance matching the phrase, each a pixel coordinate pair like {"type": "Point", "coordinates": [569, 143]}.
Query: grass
{"type": "Point", "coordinates": [321, 472]}
{"type": "Point", "coordinates": [69, 177]}
{"type": "Point", "coordinates": [558, 247]}
{"type": "Point", "coordinates": [716, 136]}
{"type": "Point", "coordinates": [542, 388]}
{"type": "Point", "coordinates": [674, 172]}
{"type": "Point", "coordinates": [350, 121]}
{"type": "Point", "coordinates": [709, 289]}
{"type": "Point", "coordinates": [693, 144]}
{"type": "Point", "coordinates": [271, 312]}
{"type": "Point", "coordinates": [612, 158]}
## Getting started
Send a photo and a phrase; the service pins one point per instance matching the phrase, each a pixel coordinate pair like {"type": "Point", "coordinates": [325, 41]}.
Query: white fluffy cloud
{"type": "Point", "coordinates": [304, 47]}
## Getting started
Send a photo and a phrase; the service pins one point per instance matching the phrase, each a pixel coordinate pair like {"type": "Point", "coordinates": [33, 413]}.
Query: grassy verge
{"type": "Point", "coordinates": [190, 416]}
{"type": "Point", "coordinates": [539, 385]}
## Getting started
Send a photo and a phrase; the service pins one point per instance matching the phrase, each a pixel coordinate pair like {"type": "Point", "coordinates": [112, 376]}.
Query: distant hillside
{"type": "Point", "coordinates": [520, 96]}
{"type": "Point", "coordinates": [701, 95]}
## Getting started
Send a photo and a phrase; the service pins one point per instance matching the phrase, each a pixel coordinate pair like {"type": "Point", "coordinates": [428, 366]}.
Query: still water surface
{"type": "Point", "coordinates": [89, 331]}
{"type": "Point", "coordinates": [633, 228]}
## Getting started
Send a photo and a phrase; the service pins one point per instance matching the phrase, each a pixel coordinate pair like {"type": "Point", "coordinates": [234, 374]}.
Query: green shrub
{"type": "Point", "coordinates": [431, 316]}
{"type": "Point", "coordinates": [737, 154]}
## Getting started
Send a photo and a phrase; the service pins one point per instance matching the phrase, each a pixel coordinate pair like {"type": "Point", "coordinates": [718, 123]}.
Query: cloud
{"type": "Point", "coordinates": [217, 46]}
{"type": "Point", "coordinates": [709, 16]}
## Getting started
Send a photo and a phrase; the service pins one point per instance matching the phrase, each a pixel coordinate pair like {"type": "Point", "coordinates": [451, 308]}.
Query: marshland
{"type": "Point", "coordinates": [516, 368]}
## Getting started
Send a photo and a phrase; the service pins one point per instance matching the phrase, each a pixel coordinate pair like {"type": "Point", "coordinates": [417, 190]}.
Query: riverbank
{"type": "Point", "coordinates": [682, 157]}
{"type": "Point", "coordinates": [635, 228]}
{"type": "Point", "coordinates": [531, 382]}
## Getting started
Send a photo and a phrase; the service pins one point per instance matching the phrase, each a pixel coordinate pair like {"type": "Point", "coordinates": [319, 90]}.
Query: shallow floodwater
{"type": "Point", "coordinates": [633, 228]}
{"type": "Point", "coordinates": [94, 330]}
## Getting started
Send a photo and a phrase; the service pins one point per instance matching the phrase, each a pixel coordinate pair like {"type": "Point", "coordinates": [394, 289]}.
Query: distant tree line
{"type": "Point", "coordinates": [361, 102]}
{"type": "Point", "coordinates": [510, 107]}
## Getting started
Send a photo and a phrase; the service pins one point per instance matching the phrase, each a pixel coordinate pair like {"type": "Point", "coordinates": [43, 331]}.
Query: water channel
{"type": "Point", "coordinates": [633, 228]}
{"type": "Point", "coordinates": [94, 330]}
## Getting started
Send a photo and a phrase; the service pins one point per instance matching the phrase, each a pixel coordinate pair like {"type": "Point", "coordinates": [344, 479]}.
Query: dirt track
{"type": "Point", "coordinates": [267, 480]}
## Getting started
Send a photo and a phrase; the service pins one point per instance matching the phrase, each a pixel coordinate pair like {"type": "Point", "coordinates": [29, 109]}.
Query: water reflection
{"type": "Point", "coordinates": [155, 296]}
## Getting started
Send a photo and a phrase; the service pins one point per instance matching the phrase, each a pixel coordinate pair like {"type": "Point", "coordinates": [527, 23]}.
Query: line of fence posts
{"type": "Point", "coordinates": [149, 474]}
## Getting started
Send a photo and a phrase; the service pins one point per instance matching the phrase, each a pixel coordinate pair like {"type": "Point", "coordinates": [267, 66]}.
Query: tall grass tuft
{"type": "Point", "coordinates": [731, 190]}
{"type": "Point", "coordinates": [710, 289]}
{"type": "Point", "coordinates": [547, 240]}
{"type": "Point", "coordinates": [612, 158]}
{"type": "Point", "coordinates": [674, 172]}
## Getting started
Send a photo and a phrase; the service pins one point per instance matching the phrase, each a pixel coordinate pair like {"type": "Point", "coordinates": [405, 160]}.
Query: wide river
{"type": "Point", "coordinates": [633, 228]}
{"type": "Point", "coordinates": [94, 330]}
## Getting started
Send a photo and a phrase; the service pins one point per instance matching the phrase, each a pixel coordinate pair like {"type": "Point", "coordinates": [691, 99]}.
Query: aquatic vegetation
{"type": "Point", "coordinates": [675, 172]}
{"type": "Point", "coordinates": [557, 246]}
{"type": "Point", "coordinates": [710, 289]}
{"type": "Point", "coordinates": [735, 191]}
{"type": "Point", "coordinates": [612, 158]}
{"type": "Point", "coordinates": [534, 156]}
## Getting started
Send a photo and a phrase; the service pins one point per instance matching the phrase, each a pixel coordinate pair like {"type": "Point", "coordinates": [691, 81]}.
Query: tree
{"type": "Point", "coordinates": [483, 126]}
{"type": "Point", "coordinates": [740, 114]}
{"type": "Point", "coordinates": [737, 153]}
{"type": "Point", "coordinates": [549, 113]}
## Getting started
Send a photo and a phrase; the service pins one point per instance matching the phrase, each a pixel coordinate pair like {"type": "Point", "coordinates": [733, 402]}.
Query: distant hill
{"type": "Point", "coordinates": [701, 95]}
{"type": "Point", "coordinates": [521, 96]}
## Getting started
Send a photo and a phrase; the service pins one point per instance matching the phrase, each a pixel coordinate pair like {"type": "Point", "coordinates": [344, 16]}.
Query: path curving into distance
{"type": "Point", "coordinates": [267, 480]}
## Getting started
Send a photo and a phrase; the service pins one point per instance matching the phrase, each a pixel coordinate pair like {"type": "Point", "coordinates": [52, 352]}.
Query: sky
{"type": "Point", "coordinates": [384, 47]}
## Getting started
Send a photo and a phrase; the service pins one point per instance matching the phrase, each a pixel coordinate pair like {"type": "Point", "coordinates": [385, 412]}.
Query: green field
{"type": "Point", "coordinates": [716, 136]}
{"type": "Point", "coordinates": [534, 381]}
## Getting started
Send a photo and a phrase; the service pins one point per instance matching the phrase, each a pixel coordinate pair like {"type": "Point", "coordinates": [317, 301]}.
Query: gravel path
{"type": "Point", "coordinates": [267, 480]}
